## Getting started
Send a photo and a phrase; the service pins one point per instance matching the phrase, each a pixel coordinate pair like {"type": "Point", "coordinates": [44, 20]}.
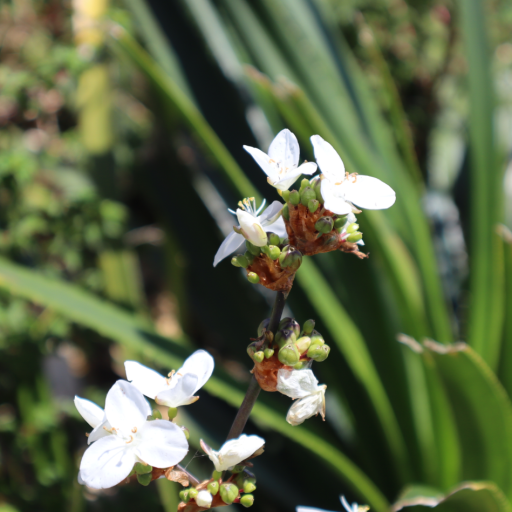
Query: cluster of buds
{"type": "Point", "coordinates": [289, 348]}
{"type": "Point", "coordinates": [273, 265]}
{"type": "Point", "coordinates": [312, 228]}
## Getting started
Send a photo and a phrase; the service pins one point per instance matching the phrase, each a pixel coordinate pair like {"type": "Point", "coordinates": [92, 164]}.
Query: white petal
{"type": "Point", "coordinates": [90, 412]}
{"type": "Point", "coordinates": [251, 228]}
{"type": "Point", "coordinates": [271, 214]}
{"type": "Point", "coordinates": [182, 393]}
{"type": "Point", "coordinates": [349, 508]}
{"type": "Point", "coordinates": [201, 364]}
{"type": "Point", "coordinates": [161, 444]}
{"type": "Point", "coordinates": [296, 383]}
{"type": "Point", "coordinates": [204, 499]}
{"type": "Point", "coordinates": [126, 408]}
{"type": "Point", "coordinates": [328, 159]}
{"type": "Point", "coordinates": [278, 227]}
{"type": "Point", "coordinates": [310, 509]}
{"type": "Point", "coordinates": [235, 451]}
{"type": "Point", "coordinates": [106, 462]}
{"type": "Point", "coordinates": [146, 380]}
{"type": "Point", "coordinates": [287, 180]}
{"type": "Point", "coordinates": [368, 192]}
{"type": "Point", "coordinates": [305, 408]}
{"type": "Point", "coordinates": [307, 168]}
{"type": "Point", "coordinates": [263, 160]}
{"type": "Point", "coordinates": [285, 149]}
{"type": "Point", "coordinates": [231, 243]}
{"type": "Point", "coordinates": [102, 430]}
{"type": "Point", "coordinates": [333, 200]}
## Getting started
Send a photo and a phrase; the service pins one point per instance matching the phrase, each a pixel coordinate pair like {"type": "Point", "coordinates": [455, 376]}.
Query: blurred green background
{"type": "Point", "coordinates": [121, 132]}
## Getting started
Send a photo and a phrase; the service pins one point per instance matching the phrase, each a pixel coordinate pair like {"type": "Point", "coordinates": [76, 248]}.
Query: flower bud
{"type": "Point", "coordinates": [213, 487]}
{"type": "Point", "coordinates": [258, 356]}
{"type": "Point", "coordinates": [269, 352]}
{"type": "Point", "coordinates": [253, 278]}
{"type": "Point", "coordinates": [319, 353]}
{"type": "Point", "coordinates": [352, 228]}
{"type": "Point", "coordinates": [285, 212]}
{"type": "Point", "coordinates": [172, 412]}
{"type": "Point", "coordinates": [285, 242]}
{"type": "Point", "coordinates": [303, 184]}
{"type": "Point", "coordinates": [324, 224]}
{"type": "Point", "coordinates": [303, 344]}
{"type": "Point", "coordinates": [340, 221]}
{"type": "Point", "coordinates": [307, 195]}
{"type": "Point", "coordinates": [145, 479]}
{"type": "Point", "coordinates": [204, 499]}
{"type": "Point", "coordinates": [301, 365]}
{"type": "Point", "coordinates": [192, 493]}
{"type": "Point", "coordinates": [186, 432]}
{"type": "Point", "coordinates": [294, 197]}
{"type": "Point", "coordinates": [354, 237]}
{"type": "Point", "coordinates": [234, 262]}
{"type": "Point", "coordinates": [274, 252]}
{"type": "Point", "coordinates": [250, 257]}
{"type": "Point", "coordinates": [240, 260]}
{"type": "Point", "coordinates": [273, 239]}
{"type": "Point", "coordinates": [315, 185]}
{"type": "Point", "coordinates": [247, 500]}
{"type": "Point", "coordinates": [316, 338]}
{"type": "Point", "coordinates": [291, 324]}
{"type": "Point", "coordinates": [285, 194]}
{"type": "Point", "coordinates": [285, 336]}
{"type": "Point", "coordinates": [313, 205]}
{"type": "Point", "coordinates": [290, 258]}
{"type": "Point", "coordinates": [263, 326]}
{"type": "Point", "coordinates": [265, 250]}
{"type": "Point", "coordinates": [252, 248]}
{"type": "Point", "coordinates": [142, 469]}
{"type": "Point", "coordinates": [184, 495]}
{"type": "Point", "coordinates": [157, 415]}
{"type": "Point", "coordinates": [217, 475]}
{"type": "Point", "coordinates": [228, 493]}
{"type": "Point", "coordinates": [308, 326]}
{"type": "Point", "coordinates": [249, 485]}
{"type": "Point", "coordinates": [239, 468]}
{"type": "Point", "coordinates": [289, 355]}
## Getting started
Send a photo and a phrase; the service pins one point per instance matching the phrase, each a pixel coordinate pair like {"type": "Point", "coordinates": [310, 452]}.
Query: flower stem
{"type": "Point", "coordinates": [254, 388]}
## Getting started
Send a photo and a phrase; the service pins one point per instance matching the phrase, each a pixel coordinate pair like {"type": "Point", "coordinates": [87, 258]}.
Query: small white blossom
{"type": "Point", "coordinates": [110, 459]}
{"type": "Point", "coordinates": [204, 499]}
{"type": "Point", "coordinates": [281, 165]}
{"type": "Point", "coordinates": [349, 508]}
{"type": "Point", "coordinates": [252, 227]}
{"type": "Point", "coordinates": [95, 416]}
{"type": "Point", "coordinates": [234, 451]}
{"type": "Point", "coordinates": [341, 191]}
{"type": "Point", "coordinates": [302, 385]}
{"type": "Point", "coordinates": [179, 387]}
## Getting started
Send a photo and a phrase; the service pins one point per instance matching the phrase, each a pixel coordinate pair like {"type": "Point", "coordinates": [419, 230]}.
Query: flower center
{"type": "Point", "coordinates": [249, 205]}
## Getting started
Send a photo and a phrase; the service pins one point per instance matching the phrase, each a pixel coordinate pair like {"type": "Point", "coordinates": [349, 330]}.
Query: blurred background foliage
{"type": "Point", "coordinates": [121, 133]}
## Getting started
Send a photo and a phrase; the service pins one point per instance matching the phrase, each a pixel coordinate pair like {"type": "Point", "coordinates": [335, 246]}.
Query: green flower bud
{"type": "Point", "coordinates": [351, 228]}
{"type": "Point", "coordinates": [269, 352]}
{"type": "Point", "coordinates": [303, 344]}
{"type": "Point", "coordinates": [294, 197]}
{"type": "Point", "coordinates": [250, 257]}
{"type": "Point", "coordinates": [285, 194]}
{"type": "Point", "coordinates": [354, 237]}
{"type": "Point", "coordinates": [217, 475]}
{"type": "Point", "coordinates": [184, 495]}
{"type": "Point", "coordinates": [340, 221]}
{"type": "Point", "coordinates": [284, 242]}
{"type": "Point", "coordinates": [172, 412]}
{"type": "Point", "coordinates": [289, 355]}
{"type": "Point", "coordinates": [186, 432]}
{"type": "Point", "coordinates": [157, 415]}
{"type": "Point", "coordinates": [313, 205]}
{"type": "Point", "coordinates": [237, 469]}
{"type": "Point", "coordinates": [265, 250]}
{"type": "Point", "coordinates": [285, 336]}
{"type": "Point", "coordinates": [192, 493]}
{"type": "Point", "coordinates": [142, 469]}
{"type": "Point", "coordinates": [247, 500]}
{"type": "Point", "coordinates": [273, 239]}
{"type": "Point", "coordinates": [258, 356]}
{"type": "Point", "coordinates": [274, 252]}
{"type": "Point", "coordinates": [241, 261]}
{"type": "Point", "coordinates": [228, 493]}
{"type": "Point", "coordinates": [249, 485]}
{"type": "Point", "coordinates": [318, 352]}
{"type": "Point", "coordinates": [252, 248]}
{"type": "Point", "coordinates": [213, 487]}
{"type": "Point", "coordinates": [291, 324]}
{"type": "Point", "coordinates": [307, 195]}
{"type": "Point", "coordinates": [285, 212]}
{"type": "Point", "coordinates": [253, 278]}
{"type": "Point", "coordinates": [303, 184]}
{"type": "Point", "coordinates": [290, 258]}
{"type": "Point", "coordinates": [324, 224]}
{"type": "Point", "coordinates": [145, 479]}
{"type": "Point", "coordinates": [300, 365]}
{"type": "Point", "coordinates": [316, 338]}
{"type": "Point", "coordinates": [234, 262]}
{"type": "Point", "coordinates": [263, 326]}
{"type": "Point", "coordinates": [308, 326]}
{"type": "Point", "coordinates": [315, 185]}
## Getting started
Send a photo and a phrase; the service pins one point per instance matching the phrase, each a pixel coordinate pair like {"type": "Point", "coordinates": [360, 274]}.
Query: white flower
{"type": "Point", "coordinates": [302, 384]}
{"type": "Point", "coordinates": [252, 227]}
{"type": "Point", "coordinates": [95, 416]}
{"type": "Point", "coordinates": [234, 451]}
{"type": "Point", "coordinates": [204, 499]}
{"type": "Point", "coordinates": [110, 459]}
{"type": "Point", "coordinates": [341, 191]}
{"type": "Point", "coordinates": [281, 163]}
{"type": "Point", "coordinates": [349, 508]}
{"type": "Point", "coordinates": [179, 387]}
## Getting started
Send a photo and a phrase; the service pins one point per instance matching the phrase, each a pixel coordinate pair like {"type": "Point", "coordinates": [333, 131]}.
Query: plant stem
{"type": "Point", "coordinates": [254, 388]}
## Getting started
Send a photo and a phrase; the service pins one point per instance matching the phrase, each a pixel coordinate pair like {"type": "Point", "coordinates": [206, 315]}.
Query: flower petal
{"type": "Point", "coordinates": [278, 227]}
{"type": "Point", "coordinates": [368, 192]}
{"type": "Point", "coordinates": [204, 499]}
{"type": "Point", "coordinates": [251, 228]}
{"type": "Point", "coordinates": [271, 214]}
{"type": "Point", "coordinates": [231, 243]}
{"type": "Point", "coordinates": [328, 159]}
{"type": "Point", "coordinates": [201, 364]}
{"type": "Point", "coordinates": [263, 160]}
{"type": "Point", "coordinates": [333, 201]}
{"type": "Point", "coordinates": [90, 412]}
{"type": "Point", "coordinates": [126, 408]}
{"type": "Point", "coordinates": [106, 463]}
{"type": "Point", "coordinates": [146, 380]}
{"type": "Point", "coordinates": [182, 393]}
{"type": "Point", "coordinates": [306, 407]}
{"type": "Point", "coordinates": [161, 444]}
{"type": "Point", "coordinates": [285, 149]}
{"type": "Point", "coordinates": [310, 509]}
{"type": "Point", "coordinates": [102, 430]}
{"type": "Point", "coordinates": [235, 451]}
{"type": "Point", "coordinates": [296, 383]}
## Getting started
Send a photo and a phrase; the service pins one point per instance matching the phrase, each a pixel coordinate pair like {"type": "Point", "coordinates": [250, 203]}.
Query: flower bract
{"type": "Point", "coordinates": [341, 191]}
{"type": "Point", "coordinates": [281, 165]}
{"type": "Point", "coordinates": [109, 460]}
{"type": "Point", "coordinates": [179, 387]}
{"type": "Point", "coordinates": [234, 451]}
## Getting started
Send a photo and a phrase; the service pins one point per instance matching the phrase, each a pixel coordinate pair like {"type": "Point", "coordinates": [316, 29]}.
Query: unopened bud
{"type": "Point", "coordinates": [258, 356]}
{"type": "Point", "coordinates": [285, 194]}
{"type": "Point", "coordinates": [250, 257]}
{"type": "Point", "coordinates": [239, 468]}
{"type": "Point", "coordinates": [186, 432]}
{"type": "Point", "coordinates": [252, 248]}
{"type": "Point", "coordinates": [285, 212]}
{"type": "Point", "coordinates": [290, 258]}
{"type": "Point", "coordinates": [285, 336]}
{"type": "Point", "coordinates": [303, 344]}
{"type": "Point", "coordinates": [352, 228]}
{"type": "Point", "coordinates": [263, 326]}
{"type": "Point", "coordinates": [294, 197]}
{"type": "Point", "coordinates": [217, 475]}
{"type": "Point", "coordinates": [145, 479]}
{"type": "Point", "coordinates": [303, 184]}
{"type": "Point", "coordinates": [324, 224]}
{"type": "Point", "coordinates": [253, 278]}
{"type": "Point", "coordinates": [192, 493]}
{"type": "Point", "coordinates": [172, 412]}
{"type": "Point", "coordinates": [269, 352]}
{"type": "Point", "coordinates": [204, 499]}
{"type": "Point", "coordinates": [291, 324]}
{"type": "Point", "coordinates": [142, 469]}
{"type": "Point", "coordinates": [289, 355]}
{"type": "Point", "coordinates": [308, 326]}
{"type": "Point", "coordinates": [252, 348]}
{"type": "Point", "coordinates": [307, 195]}
{"type": "Point", "coordinates": [213, 487]}
{"type": "Point", "coordinates": [313, 205]}
{"type": "Point", "coordinates": [249, 485]}
{"type": "Point", "coordinates": [184, 495]}
{"type": "Point", "coordinates": [273, 239]}
{"type": "Point", "coordinates": [354, 237]}
{"type": "Point", "coordinates": [300, 365]}
{"type": "Point", "coordinates": [228, 493]}
{"type": "Point", "coordinates": [316, 338]}
{"type": "Point", "coordinates": [285, 242]}
{"type": "Point", "coordinates": [274, 252]}
{"type": "Point", "coordinates": [240, 260]}
{"type": "Point", "coordinates": [340, 221]}
{"type": "Point", "coordinates": [265, 250]}
{"type": "Point", "coordinates": [247, 500]}
{"type": "Point", "coordinates": [157, 415]}
{"type": "Point", "coordinates": [319, 353]}
{"type": "Point", "coordinates": [315, 185]}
